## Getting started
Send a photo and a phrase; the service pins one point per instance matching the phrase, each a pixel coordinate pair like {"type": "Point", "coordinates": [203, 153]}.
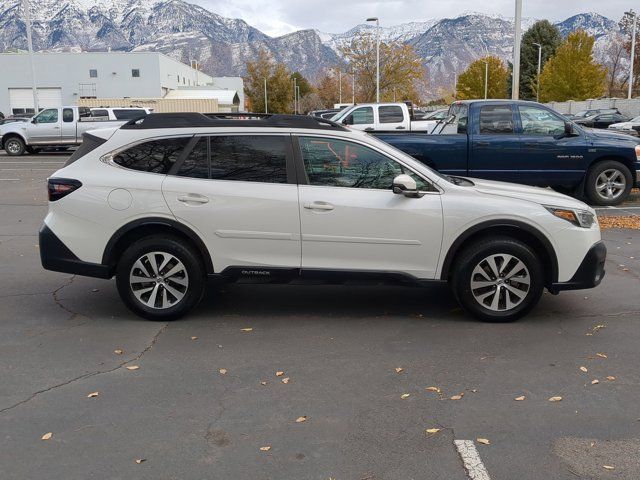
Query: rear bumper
{"type": "Point", "coordinates": [57, 257]}
{"type": "Point", "coordinates": [590, 272]}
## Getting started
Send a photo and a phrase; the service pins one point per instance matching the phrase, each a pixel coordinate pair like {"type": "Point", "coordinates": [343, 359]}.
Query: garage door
{"type": "Point", "coordinates": [21, 99]}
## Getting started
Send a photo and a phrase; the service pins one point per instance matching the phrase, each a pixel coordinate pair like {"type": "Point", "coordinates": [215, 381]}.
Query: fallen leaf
{"type": "Point", "coordinates": [266, 448]}
{"type": "Point", "coordinates": [223, 371]}
{"type": "Point", "coordinates": [584, 369]}
{"type": "Point", "coordinates": [133, 367]}
{"type": "Point", "coordinates": [405, 395]}
{"type": "Point", "coordinates": [94, 290]}
{"type": "Point", "coordinates": [433, 389]}
{"type": "Point", "coordinates": [611, 378]}
{"type": "Point", "coordinates": [593, 444]}
{"type": "Point", "coordinates": [47, 436]}
{"type": "Point", "coordinates": [483, 441]}
{"type": "Point", "coordinates": [279, 374]}
{"type": "Point", "coordinates": [456, 397]}
{"type": "Point", "coordinates": [263, 383]}
{"type": "Point", "coordinates": [399, 369]}
{"type": "Point", "coordinates": [555, 399]}
{"type": "Point", "coordinates": [608, 467]}
{"type": "Point", "coordinates": [93, 394]}
{"type": "Point", "coordinates": [432, 430]}
{"type": "Point", "coordinates": [520, 398]}
{"type": "Point", "coordinates": [194, 338]}
{"type": "Point", "coordinates": [595, 382]}
{"type": "Point", "coordinates": [301, 419]}
{"type": "Point", "coordinates": [285, 380]}
{"type": "Point", "coordinates": [246, 329]}
{"type": "Point", "coordinates": [140, 460]}
{"type": "Point", "coordinates": [601, 355]}
{"type": "Point", "coordinates": [118, 352]}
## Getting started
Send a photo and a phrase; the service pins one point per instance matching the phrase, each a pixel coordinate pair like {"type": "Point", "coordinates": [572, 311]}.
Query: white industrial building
{"type": "Point", "coordinates": [63, 78]}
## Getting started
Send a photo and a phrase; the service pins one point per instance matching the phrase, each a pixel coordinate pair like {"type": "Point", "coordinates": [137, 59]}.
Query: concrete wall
{"type": "Point", "coordinates": [627, 107]}
{"type": "Point", "coordinates": [70, 72]}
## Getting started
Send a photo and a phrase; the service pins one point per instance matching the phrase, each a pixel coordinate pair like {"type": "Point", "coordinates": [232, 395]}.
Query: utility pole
{"type": "Point", "coordinates": [515, 81]}
{"type": "Point", "coordinates": [295, 95]}
{"type": "Point", "coordinates": [266, 109]}
{"type": "Point", "coordinates": [27, 23]}
{"type": "Point", "coordinates": [455, 86]}
{"type": "Point", "coordinates": [375, 19]}
{"type": "Point", "coordinates": [353, 87]}
{"type": "Point", "coordinates": [298, 97]}
{"type": "Point", "coordinates": [539, 64]}
{"type": "Point", "coordinates": [340, 85]}
{"type": "Point", "coordinates": [486, 79]}
{"type": "Point", "coordinates": [633, 54]}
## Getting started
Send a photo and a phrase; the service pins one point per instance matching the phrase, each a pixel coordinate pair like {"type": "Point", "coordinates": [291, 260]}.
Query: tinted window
{"type": "Point", "coordinates": [196, 164]}
{"type": "Point", "coordinates": [50, 115]}
{"type": "Point", "coordinates": [496, 119]}
{"type": "Point", "coordinates": [249, 158]}
{"type": "Point", "coordinates": [336, 163]}
{"type": "Point", "coordinates": [99, 113]}
{"type": "Point", "coordinates": [135, 72]}
{"type": "Point", "coordinates": [390, 114]}
{"type": "Point", "coordinates": [93, 73]}
{"type": "Point", "coordinates": [362, 116]}
{"type": "Point", "coordinates": [156, 156]}
{"type": "Point", "coordinates": [129, 114]}
{"type": "Point", "coordinates": [67, 115]}
{"type": "Point", "coordinates": [538, 121]}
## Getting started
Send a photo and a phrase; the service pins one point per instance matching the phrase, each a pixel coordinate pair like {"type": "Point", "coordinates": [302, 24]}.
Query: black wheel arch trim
{"type": "Point", "coordinates": [108, 255]}
{"type": "Point", "coordinates": [478, 228]}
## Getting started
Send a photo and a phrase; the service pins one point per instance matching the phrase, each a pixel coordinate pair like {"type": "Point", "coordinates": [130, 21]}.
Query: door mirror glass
{"type": "Point", "coordinates": [405, 185]}
{"type": "Point", "coordinates": [348, 120]}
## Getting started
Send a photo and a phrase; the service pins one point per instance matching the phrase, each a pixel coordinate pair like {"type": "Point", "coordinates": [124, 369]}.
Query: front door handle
{"type": "Point", "coordinates": [369, 129]}
{"type": "Point", "coordinates": [482, 144]}
{"type": "Point", "coordinates": [319, 206]}
{"type": "Point", "coordinates": [400, 128]}
{"type": "Point", "coordinates": [192, 198]}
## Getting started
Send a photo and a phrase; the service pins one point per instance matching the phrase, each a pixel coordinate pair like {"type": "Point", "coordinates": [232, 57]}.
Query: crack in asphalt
{"type": "Point", "coordinates": [54, 294]}
{"type": "Point", "coordinates": [153, 341]}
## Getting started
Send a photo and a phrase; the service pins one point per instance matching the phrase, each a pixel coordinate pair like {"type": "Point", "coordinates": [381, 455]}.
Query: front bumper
{"type": "Point", "coordinates": [57, 257]}
{"type": "Point", "coordinates": [590, 272]}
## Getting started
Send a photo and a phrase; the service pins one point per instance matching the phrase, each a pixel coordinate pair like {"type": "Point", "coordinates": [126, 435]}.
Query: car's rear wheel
{"type": "Point", "coordinates": [498, 280]}
{"type": "Point", "coordinates": [608, 183]}
{"type": "Point", "coordinates": [160, 278]}
{"type": "Point", "coordinates": [14, 146]}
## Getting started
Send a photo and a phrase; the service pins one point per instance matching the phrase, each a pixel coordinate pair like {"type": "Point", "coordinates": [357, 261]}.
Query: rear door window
{"type": "Point", "coordinates": [390, 114]}
{"type": "Point", "coordinates": [496, 119]}
{"type": "Point", "coordinates": [249, 158]}
{"type": "Point", "coordinates": [155, 156]}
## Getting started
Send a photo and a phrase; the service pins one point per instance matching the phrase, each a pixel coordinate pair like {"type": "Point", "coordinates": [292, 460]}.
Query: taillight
{"type": "Point", "coordinates": [61, 187]}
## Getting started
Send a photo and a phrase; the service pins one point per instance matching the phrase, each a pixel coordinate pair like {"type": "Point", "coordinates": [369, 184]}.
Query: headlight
{"type": "Point", "coordinates": [580, 218]}
{"type": "Point", "coordinates": [638, 152]}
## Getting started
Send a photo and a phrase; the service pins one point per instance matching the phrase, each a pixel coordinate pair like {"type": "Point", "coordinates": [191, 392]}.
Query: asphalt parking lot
{"type": "Point", "coordinates": [205, 398]}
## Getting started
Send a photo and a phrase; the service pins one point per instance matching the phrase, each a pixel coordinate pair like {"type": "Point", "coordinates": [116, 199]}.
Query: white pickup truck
{"type": "Point", "coordinates": [52, 127]}
{"type": "Point", "coordinates": [380, 117]}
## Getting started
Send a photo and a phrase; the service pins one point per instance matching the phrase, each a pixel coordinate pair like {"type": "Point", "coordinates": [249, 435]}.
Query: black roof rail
{"type": "Point", "coordinates": [192, 119]}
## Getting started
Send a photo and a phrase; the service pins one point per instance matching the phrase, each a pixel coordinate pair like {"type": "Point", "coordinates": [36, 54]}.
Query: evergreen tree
{"type": "Point", "coordinates": [572, 73]}
{"type": "Point", "coordinates": [542, 33]}
{"type": "Point", "coordinates": [471, 82]}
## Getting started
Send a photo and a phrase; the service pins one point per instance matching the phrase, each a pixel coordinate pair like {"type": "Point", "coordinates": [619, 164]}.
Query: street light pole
{"type": "Point", "coordinates": [633, 53]}
{"type": "Point", "coordinates": [375, 19]}
{"type": "Point", "coordinates": [295, 95]}
{"type": "Point", "coordinates": [298, 97]}
{"type": "Point", "coordinates": [515, 81]}
{"type": "Point", "coordinates": [266, 109]}
{"type": "Point", "coordinates": [486, 79]}
{"type": "Point", "coordinates": [340, 86]}
{"type": "Point", "coordinates": [353, 87]}
{"type": "Point", "coordinates": [539, 64]}
{"type": "Point", "coordinates": [27, 23]}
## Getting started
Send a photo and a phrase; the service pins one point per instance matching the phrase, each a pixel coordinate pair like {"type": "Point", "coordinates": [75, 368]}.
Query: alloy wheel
{"type": "Point", "coordinates": [158, 280]}
{"type": "Point", "coordinates": [610, 184]}
{"type": "Point", "coordinates": [500, 282]}
{"type": "Point", "coordinates": [12, 147]}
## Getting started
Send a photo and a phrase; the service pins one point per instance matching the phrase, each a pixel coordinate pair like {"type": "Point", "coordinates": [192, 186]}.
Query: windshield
{"type": "Point", "coordinates": [582, 113]}
{"type": "Point", "coordinates": [635, 120]}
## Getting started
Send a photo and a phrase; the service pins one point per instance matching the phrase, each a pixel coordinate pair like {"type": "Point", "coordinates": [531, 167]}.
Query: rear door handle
{"type": "Point", "coordinates": [319, 206]}
{"type": "Point", "coordinates": [400, 128]}
{"type": "Point", "coordinates": [192, 198]}
{"type": "Point", "coordinates": [482, 144]}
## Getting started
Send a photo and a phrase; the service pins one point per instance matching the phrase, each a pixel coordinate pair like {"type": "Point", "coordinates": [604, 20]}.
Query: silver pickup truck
{"type": "Point", "coordinates": [52, 127]}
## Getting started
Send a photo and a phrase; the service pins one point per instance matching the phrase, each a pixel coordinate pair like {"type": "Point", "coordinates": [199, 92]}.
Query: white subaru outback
{"type": "Point", "coordinates": [164, 202]}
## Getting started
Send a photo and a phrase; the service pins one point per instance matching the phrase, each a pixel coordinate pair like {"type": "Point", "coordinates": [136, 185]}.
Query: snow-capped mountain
{"type": "Point", "coordinates": [224, 45]}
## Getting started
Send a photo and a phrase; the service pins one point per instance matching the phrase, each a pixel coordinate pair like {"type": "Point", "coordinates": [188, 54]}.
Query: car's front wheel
{"type": "Point", "coordinates": [498, 279]}
{"type": "Point", "coordinates": [14, 146]}
{"type": "Point", "coordinates": [160, 278]}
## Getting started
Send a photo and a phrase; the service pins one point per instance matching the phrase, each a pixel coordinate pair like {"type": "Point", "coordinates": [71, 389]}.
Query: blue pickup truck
{"type": "Point", "coordinates": [526, 142]}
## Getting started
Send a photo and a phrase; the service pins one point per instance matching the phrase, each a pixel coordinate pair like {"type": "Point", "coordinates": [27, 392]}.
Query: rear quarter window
{"type": "Point", "coordinates": [155, 156]}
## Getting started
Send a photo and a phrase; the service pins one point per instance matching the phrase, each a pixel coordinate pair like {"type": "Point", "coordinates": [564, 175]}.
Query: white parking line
{"type": "Point", "coordinates": [40, 162]}
{"type": "Point", "coordinates": [471, 460]}
{"type": "Point", "coordinates": [8, 179]}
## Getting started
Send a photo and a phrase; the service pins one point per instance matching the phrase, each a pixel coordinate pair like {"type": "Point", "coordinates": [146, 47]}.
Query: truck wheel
{"type": "Point", "coordinates": [14, 146]}
{"type": "Point", "coordinates": [160, 278]}
{"type": "Point", "coordinates": [498, 279]}
{"type": "Point", "coordinates": [608, 183]}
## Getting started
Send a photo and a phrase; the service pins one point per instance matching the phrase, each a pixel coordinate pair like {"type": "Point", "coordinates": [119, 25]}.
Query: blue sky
{"type": "Point", "coordinates": [277, 17]}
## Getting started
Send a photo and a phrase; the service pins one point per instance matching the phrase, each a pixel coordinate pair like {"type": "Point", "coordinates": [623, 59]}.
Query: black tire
{"type": "Point", "coordinates": [14, 146]}
{"type": "Point", "coordinates": [32, 150]}
{"type": "Point", "coordinates": [474, 255]}
{"type": "Point", "coordinates": [600, 168]}
{"type": "Point", "coordinates": [192, 271]}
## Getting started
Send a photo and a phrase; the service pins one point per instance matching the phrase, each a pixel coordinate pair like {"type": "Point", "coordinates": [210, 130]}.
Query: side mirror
{"type": "Point", "coordinates": [348, 120]}
{"type": "Point", "coordinates": [405, 185]}
{"type": "Point", "coordinates": [34, 120]}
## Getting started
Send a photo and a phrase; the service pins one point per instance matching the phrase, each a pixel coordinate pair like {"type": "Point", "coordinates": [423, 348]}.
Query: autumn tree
{"type": "Point", "coordinates": [542, 33]}
{"type": "Point", "coordinates": [626, 28]}
{"type": "Point", "coordinates": [471, 82]}
{"type": "Point", "coordinates": [402, 74]}
{"type": "Point", "coordinates": [572, 74]}
{"type": "Point", "coordinates": [279, 85]}
{"type": "Point", "coordinates": [327, 88]}
{"type": "Point", "coordinates": [614, 54]}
